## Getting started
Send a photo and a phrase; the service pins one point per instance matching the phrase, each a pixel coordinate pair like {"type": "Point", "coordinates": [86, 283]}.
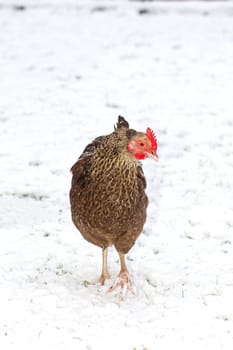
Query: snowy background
{"type": "Point", "coordinates": [67, 70]}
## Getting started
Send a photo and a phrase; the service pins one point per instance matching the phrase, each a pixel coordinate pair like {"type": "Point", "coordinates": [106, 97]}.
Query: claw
{"type": "Point", "coordinates": [101, 280]}
{"type": "Point", "coordinates": [124, 282]}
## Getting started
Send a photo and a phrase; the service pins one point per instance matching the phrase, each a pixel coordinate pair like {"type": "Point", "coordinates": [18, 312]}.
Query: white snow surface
{"type": "Point", "coordinates": [68, 69]}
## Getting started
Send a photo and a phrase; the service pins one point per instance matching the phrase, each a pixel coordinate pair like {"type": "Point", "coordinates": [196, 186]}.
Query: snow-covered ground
{"type": "Point", "coordinates": [67, 70]}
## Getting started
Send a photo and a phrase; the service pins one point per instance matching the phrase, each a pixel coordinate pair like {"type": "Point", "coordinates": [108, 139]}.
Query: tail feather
{"type": "Point", "coordinates": [122, 123]}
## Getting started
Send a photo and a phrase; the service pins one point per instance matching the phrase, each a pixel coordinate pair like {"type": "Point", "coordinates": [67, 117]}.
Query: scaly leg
{"type": "Point", "coordinates": [123, 280]}
{"type": "Point", "coordinates": [104, 274]}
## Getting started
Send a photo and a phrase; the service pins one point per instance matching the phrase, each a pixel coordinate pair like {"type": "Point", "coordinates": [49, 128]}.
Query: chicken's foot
{"type": "Point", "coordinates": [123, 280]}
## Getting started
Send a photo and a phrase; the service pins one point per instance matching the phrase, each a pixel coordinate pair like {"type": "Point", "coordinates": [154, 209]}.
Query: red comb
{"type": "Point", "coordinates": [152, 137]}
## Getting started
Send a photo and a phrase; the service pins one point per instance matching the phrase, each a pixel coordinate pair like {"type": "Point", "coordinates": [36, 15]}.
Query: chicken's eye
{"type": "Point", "coordinates": [141, 144]}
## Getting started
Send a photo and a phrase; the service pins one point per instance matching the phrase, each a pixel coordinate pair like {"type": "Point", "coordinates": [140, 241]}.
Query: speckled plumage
{"type": "Point", "coordinates": [107, 196]}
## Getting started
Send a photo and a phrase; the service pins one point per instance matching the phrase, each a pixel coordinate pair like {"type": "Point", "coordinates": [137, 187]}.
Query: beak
{"type": "Point", "coordinates": [153, 155]}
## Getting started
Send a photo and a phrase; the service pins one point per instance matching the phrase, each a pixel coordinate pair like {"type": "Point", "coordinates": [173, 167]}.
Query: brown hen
{"type": "Point", "coordinates": [107, 196]}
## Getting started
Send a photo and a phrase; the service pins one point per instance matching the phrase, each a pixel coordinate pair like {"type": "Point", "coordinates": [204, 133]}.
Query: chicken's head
{"type": "Point", "coordinates": [143, 145]}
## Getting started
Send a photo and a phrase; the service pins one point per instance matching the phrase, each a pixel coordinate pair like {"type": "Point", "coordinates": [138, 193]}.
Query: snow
{"type": "Point", "coordinates": [68, 69]}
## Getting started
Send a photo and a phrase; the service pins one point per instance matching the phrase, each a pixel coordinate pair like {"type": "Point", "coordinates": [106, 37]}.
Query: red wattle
{"type": "Point", "coordinates": [139, 156]}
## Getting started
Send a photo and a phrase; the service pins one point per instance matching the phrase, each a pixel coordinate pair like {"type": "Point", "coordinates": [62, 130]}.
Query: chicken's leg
{"type": "Point", "coordinates": [104, 274]}
{"type": "Point", "coordinates": [123, 280]}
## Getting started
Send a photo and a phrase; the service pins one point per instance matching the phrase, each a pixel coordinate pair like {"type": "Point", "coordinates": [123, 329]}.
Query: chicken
{"type": "Point", "coordinates": [107, 196]}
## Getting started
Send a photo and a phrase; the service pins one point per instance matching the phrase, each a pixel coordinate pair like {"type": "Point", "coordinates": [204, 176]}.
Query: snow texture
{"type": "Point", "coordinates": [68, 69]}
